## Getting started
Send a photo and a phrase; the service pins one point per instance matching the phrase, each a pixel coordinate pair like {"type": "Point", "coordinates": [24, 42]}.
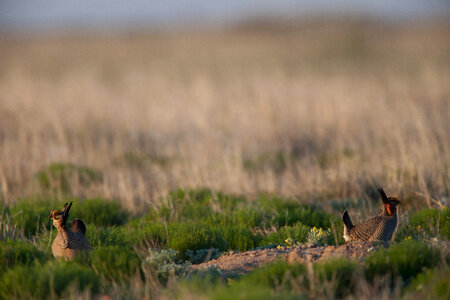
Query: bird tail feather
{"type": "Point", "coordinates": [347, 221]}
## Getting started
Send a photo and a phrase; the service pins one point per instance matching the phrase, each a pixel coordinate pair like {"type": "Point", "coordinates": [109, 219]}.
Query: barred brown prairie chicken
{"type": "Point", "coordinates": [68, 244]}
{"type": "Point", "coordinates": [379, 228]}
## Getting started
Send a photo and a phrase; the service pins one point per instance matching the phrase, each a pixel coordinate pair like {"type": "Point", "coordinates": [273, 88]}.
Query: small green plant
{"type": "Point", "coordinates": [318, 236]}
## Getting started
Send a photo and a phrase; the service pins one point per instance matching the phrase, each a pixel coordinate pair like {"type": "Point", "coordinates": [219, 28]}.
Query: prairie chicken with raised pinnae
{"type": "Point", "coordinates": [379, 228]}
{"type": "Point", "coordinates": [69, 244]}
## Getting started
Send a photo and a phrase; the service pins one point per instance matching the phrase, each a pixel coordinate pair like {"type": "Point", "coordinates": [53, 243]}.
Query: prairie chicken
{"type": "Point", "coordinates": [379, 228]}
{"type": "Point", "coordinates": [68, 244]}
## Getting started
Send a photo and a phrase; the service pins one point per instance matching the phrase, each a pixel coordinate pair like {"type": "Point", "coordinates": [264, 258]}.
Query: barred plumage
{"type": "Point", "coordinates": [69, 244]}
{"type": "Point", "coordinates": [379, 228]}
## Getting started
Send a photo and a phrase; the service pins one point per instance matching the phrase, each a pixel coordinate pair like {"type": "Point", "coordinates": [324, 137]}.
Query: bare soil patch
{"type": "Point", "coordinates": [237, 263]}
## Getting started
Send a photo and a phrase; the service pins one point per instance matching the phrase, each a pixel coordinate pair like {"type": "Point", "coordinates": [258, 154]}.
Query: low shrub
{"type": "Point", "coordinates": [164, 263]}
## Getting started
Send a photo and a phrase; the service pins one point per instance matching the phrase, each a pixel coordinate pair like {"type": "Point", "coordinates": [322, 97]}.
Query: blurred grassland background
{"type": "Point", "coordinates": [312, 110]}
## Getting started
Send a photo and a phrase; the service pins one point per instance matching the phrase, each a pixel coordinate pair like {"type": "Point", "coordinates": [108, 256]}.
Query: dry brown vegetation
{"type": "Point", "coordinates": [315, 111]}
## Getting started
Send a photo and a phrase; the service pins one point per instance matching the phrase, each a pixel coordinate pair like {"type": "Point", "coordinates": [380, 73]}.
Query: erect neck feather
{"type": "Point", "coordinates": [390, 210]}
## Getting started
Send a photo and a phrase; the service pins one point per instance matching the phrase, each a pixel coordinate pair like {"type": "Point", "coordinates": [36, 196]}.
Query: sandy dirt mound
{"type": "Point", "coordinates": [237, 263]}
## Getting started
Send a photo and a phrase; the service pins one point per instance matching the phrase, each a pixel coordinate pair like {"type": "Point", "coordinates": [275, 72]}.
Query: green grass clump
{"type": "Point", "coordinates": [196, 205]}
{"type": "Point", "coordinates": [99, 212]}
{"type": "Point", "coordinates": [107, 236]}
{"type": "Point", "coordinates": [426, 224]}
{"type": "Point", "coordinates": [217, 209]}
{"type": "Point", "coordinates": [19, 253]}
{"type": "Point", "coordinates": [433, 221]}
{"type": "Point", "coordinates": [240, 238]}
{"type": "Point", "coordinates": [276, 274]}
{"type": "Point", "coordinates": [58, 177]}
{"type": "Point", "coordinates": [31, 214]}
{"type": "Point", "coordinates": [195, 237]}
{"type": "Point", "coordinates": [41, 281]}
{"type": "Point", "coordinates": [252, 293]}
{"type": "Point", "coordinates": [341, 272]}
{"type": "Point", "coordinates": [115, 262]}
{"type": "Point", "coordinates": [288, 212]}
{"type": "Point", "coordinates": [154, 235]}
{"type": "Point", "coordinates": [432, 284]}
{"type": "Point", "coordinates": [405, 259]}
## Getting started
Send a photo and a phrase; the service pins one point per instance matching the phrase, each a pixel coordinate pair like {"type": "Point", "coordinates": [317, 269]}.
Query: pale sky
{"type": "Point", "coordinates": [85, 14]}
